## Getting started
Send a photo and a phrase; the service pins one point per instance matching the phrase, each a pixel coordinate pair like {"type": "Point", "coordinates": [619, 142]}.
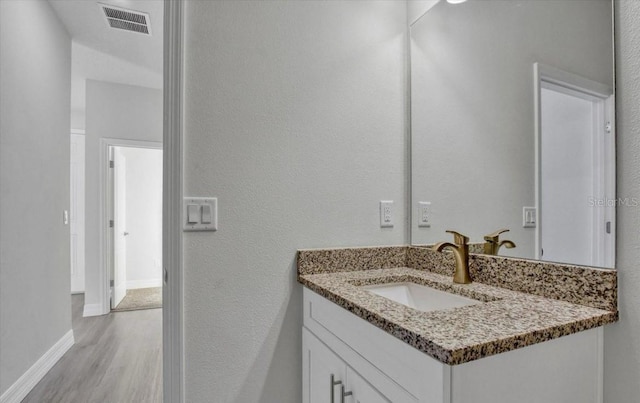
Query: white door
{"type": "Point", "coordinates": [76, 219]}
{"type": "Point", "coordinates": [119, 228]}
{"type": "Point", "coordinates": [566, 220]}
{"type": "Point", "coordinates": [575, 178]}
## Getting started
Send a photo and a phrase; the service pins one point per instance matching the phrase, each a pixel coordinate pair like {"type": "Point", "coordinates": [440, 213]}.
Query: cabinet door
{"type": "Point", "coordinates": [322, 371]}
{"type": "Point", "coordinates": [361, 390]}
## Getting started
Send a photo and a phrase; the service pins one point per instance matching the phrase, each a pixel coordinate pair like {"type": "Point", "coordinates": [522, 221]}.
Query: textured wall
{"type": "Point", "coordinates": [622, 340]}
{"type": "Point", "coordinates": [35, 82]}
{"type": "Point", "coordinates": [113, 111]}
{"type": "Point", "coordinates": [295, 120]}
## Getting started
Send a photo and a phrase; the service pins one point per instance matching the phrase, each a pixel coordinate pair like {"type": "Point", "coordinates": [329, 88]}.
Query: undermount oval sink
{"type": "Point", "coordinates": [420, 297]}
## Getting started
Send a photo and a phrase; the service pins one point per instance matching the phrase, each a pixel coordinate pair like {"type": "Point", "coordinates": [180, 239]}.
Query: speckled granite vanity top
{"type": "Point", "coordinates": [531, 303]}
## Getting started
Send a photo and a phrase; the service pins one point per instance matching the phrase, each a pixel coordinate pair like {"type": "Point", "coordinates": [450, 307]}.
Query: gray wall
{"type": "Point", "coordinates": [113, 111]}
{"type": "Point", "coordinates": [35, 74]}
{"type": "Point", "coordinates": [295, 120]}
{"type": "Point", "coordinates": [473, 106]}
{"type": "Point", "coordinates": [621, 353]}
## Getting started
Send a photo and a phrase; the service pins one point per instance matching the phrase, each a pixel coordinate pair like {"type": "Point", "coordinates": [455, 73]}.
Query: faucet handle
{"type": "Point", "coordinates": [493, 237]}
{"type": "Point", "coordinates": [458, 238]}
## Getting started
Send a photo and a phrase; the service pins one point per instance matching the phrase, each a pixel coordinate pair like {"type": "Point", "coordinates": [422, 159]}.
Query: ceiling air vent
{"type": "Point", "coordinates": [129, 20]}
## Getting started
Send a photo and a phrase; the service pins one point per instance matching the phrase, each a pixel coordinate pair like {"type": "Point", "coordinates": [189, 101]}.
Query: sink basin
{"type": "Point", "coordinates": [420, 297]}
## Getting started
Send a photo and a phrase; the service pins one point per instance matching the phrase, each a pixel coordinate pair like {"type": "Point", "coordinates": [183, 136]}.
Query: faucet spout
{"type": "Point", "coordinates": [439, 247]}
{"type": "Point", "coordinates": [460, 251]}
{"type": "Point", "coordinates": [492, 242]}
{"type": "Point", "coordinates": [507, 244]}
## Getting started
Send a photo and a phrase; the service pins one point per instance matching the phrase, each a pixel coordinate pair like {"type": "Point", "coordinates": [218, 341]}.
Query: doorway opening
{"type": "Point", "coordinates": [575, 196]}
{"type": "Point", "coordinates": [136, 270]}
{"type": "Point", "coordinates": [133, 239]}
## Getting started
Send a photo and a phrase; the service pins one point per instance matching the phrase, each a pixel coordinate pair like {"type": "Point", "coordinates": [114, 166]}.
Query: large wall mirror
{"type": "Point", "coordinates": [512, 126]}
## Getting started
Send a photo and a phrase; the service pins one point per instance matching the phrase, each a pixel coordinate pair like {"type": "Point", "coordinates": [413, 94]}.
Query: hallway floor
{"type": "Point", "coordinates": [140, 298]}
{"type": "Point", "coordinates": [117, 358]}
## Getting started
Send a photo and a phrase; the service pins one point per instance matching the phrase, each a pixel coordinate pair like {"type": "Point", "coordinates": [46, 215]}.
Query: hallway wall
{"type": "Point", "coordinates": [35, 82]}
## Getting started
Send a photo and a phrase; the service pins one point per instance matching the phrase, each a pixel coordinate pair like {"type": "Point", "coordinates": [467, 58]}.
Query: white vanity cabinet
{"type": "Point", "coordinates": [377, 367]}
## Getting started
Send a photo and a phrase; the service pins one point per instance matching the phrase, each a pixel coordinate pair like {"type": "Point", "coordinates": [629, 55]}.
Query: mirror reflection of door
{"type": "Point", "coordinates": [575, 219]}
{"type": "Point", "coordinates": [119, 228]}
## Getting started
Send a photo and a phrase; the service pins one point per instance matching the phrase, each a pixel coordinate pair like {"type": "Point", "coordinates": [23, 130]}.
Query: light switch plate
{"type": "Point", "coordinates": [193, 221]}
{"type": "Point", "coordinates": [529, 217]}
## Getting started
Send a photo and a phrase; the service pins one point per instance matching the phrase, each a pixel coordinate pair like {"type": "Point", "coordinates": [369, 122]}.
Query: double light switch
{"type": "Point", "coordinates": [200, 214]}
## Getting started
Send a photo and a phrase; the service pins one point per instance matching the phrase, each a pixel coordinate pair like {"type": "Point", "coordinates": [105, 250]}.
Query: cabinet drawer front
{"type": "Point", "coordinates": [423, 377]}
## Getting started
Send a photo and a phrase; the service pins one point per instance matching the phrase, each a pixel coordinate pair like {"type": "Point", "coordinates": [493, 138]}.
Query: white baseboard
{"type": "Point", "coordinates": [21, 388]}
{"type": "Point", "coordinates": [93, 310]}
{"type": "Point", "coordinates": [133, 284]}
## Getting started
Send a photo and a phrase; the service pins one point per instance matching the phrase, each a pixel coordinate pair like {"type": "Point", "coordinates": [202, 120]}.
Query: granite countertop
{"type": "Point", "coordinates": [504, 321]}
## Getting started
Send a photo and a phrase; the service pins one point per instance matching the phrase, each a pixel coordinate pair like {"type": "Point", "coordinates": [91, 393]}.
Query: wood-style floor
{"type": "Point", "coordinates": [117, 358]}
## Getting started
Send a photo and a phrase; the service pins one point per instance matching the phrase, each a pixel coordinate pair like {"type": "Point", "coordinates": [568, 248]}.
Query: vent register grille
{"type": "Point", "coordinates": [127, 20]}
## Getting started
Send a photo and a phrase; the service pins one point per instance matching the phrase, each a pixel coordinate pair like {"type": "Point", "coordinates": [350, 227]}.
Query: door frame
{"type": "Point", "coordinates": [118, 187]}
{"type": "Point", "coordinates": [74, 217]}
{"type": "Point", "coordinates": [548, 76]}
{"type": "Point", "coordinates": [172, 194]}
{"type": "Point", "coordinates": [106, 211]}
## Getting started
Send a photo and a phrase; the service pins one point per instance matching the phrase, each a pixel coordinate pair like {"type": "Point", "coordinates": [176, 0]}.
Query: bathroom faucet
{"type": "Point", "coordinates": [492, 242]}
{"type": "Point", "coordinates": [460, 249]}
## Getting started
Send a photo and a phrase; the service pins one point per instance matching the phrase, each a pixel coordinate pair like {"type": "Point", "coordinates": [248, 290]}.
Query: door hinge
{"type": "Point", "coordinates": [608, 127]}
{"type": "Point", "coordinates": [110, 223]}
{"type": "Point", "coordinates": [111, 164]}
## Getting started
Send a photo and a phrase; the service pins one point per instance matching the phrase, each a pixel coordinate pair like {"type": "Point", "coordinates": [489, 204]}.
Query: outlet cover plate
{"type": "Point", "coordinates": [386, 213]}
{"type": "Point", "coordinates": [424, 214]}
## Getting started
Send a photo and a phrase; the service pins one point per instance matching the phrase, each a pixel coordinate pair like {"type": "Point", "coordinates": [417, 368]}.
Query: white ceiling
{"type": "Point", "coordinates": [106, 54]}
{"type": "Point", "coordinates": [87, 26]}
{"type": "Point", "coordinates": [417, 8]}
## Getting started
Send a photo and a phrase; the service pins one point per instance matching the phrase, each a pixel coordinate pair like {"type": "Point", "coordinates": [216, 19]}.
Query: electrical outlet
{"type": "Point", "coordinates": [386, 213]}
{"type": "Point", "coordinates": [424, 214]}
